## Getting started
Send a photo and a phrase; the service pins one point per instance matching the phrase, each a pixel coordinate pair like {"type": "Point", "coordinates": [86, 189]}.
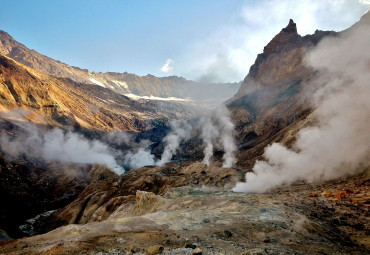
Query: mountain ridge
{"type": "Point", "coordinates": [122, 83]}
{"type": "Point", "coordinates": [64, 102]}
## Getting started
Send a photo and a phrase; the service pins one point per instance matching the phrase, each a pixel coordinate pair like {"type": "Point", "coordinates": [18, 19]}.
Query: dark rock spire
{"type": "Point", "coordinates": [291, 28]}
{"type": "Point", "coordinates": [286, 39]}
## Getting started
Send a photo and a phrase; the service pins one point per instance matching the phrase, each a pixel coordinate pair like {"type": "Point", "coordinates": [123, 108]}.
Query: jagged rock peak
{"type": "Point", "coordinates": [286, 39]}
{"type": "Point", "coordinates": [291, 28]}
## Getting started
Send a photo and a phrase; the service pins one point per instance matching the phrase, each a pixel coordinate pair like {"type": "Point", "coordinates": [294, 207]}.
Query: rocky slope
{"type": "Point", "coordinates": [165, 87]}
{"type": "Point", "coordinates": [17, 51]}
{"type": "Point", "coordinates": [122, 83]}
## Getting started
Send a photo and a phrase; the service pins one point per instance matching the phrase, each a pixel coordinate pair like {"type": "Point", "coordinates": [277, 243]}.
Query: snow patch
{"type": "Point", "coordinates": [137, 97]}
{"type": "Point", "coordinates": [102, 99]}
{"type": "Point", "coordinates": [96, 82]}
{"type": "Point", "coordinates": [121, 84]}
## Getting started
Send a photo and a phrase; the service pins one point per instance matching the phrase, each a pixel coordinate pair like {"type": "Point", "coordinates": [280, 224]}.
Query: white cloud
{"type": "Point", "coordinates": [167, 66]}
{"type": "Point", "coordinates": [228, 54]}
{"type": "Point", "coordinates": [365, 2]}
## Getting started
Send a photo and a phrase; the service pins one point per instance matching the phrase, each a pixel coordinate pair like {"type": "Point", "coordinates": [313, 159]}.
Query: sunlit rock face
{"type": "Point", "coordinates": [44, 99]}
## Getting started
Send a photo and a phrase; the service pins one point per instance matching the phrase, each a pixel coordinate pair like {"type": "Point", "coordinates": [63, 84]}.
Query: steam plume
{"type": "Point", "coordinates": [340, 142]}
{"type": "Point", "coordinates": [214, 127]}
{"type": "Point", "coordinates": [218, 126]}
{"type": "Point", "coordinates": [136, 154]}
{"type": "Point", "coordinates": [142, 157]}
{"type": "Point", "coordinates": [226, 131]}
{"type": "Point", "coordinates": [55, 144]}
{"type": "Point", "coordinates": [208, 133]}
{"type": "Point", "coordinates": [173, 140]}
{"type": "Point", "coordinates": [118, 138]}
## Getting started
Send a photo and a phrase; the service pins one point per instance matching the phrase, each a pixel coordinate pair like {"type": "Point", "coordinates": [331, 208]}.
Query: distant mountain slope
{"type": "Point", "coordinates": [123, 83]}
{"type": "Point", "coordinates": [17, 51]}
{"type": "Point", "coordinates": [63, 102]}
{"type": "Point", "coordinates": [172, 86]}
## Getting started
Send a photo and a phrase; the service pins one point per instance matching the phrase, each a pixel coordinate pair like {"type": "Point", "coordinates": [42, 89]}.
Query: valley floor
{"type": "Point", "coordinates": [330, 218]}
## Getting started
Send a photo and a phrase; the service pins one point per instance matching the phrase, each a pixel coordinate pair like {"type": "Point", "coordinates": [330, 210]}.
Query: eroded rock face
{"type": "Point", "coordinates": [286, 40]}
{"type": "Point", "coordinates": [145, 202]}
{"type": "Point", "coordinates": [281, 60]}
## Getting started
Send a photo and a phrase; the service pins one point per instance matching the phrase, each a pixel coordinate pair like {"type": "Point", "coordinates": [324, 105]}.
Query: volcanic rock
{"type": "Point", "coordinates": [152, 250]}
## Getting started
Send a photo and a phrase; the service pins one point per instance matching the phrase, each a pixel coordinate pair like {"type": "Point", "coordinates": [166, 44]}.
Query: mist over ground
{"type": "Point", "coordinates": [58, 145]}
{"type": "Point", "coordinates": [118, 150]}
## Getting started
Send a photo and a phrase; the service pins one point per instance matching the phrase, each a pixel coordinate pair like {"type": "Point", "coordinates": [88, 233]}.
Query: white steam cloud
{"type": "Point", "coordinates": [69, 147]}
{"type": "Point", "coordinates": [167, 66]}
{"type": "Point", "coordinates": [215, 130]}
{"type": "Point", "coordinates": [340, 142]}
{"type": "Point", "coordinates": [137, 154]}
{"type": "Point", "coordinates": [142, 157]}
{"type": "Point", "coordinates": [58, 145]}
{"type": "Point", "coordinates": [218, 125]}
{"type": "Point", "coordinates": [118, 138]}
{"type": "Point", "coordinates": [365, 2]}
{"type": "Point", "coordinates": [209, 133]}
{"type": "Point", "coordinates": [173, 140]}
{"type": "Point", "coordinates": [226, 134]}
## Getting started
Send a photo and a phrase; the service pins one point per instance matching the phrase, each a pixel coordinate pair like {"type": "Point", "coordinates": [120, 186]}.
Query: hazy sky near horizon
{"type": "Point", "coordinates": [210, 40]}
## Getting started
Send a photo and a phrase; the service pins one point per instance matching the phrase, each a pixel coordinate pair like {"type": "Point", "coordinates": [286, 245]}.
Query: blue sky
{"type": "Point", "coordinates": [208, 39]}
